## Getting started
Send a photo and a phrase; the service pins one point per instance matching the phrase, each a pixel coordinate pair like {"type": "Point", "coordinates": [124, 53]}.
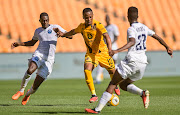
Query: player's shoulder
{"type": "Point", "coordinates": [39, 29]}
{"type": "Point", "coordinates": [97, 22]}
{"type": "Point", "coordinates": [130, 29]}
{"type": "Point", "coordinates": [55, 25]}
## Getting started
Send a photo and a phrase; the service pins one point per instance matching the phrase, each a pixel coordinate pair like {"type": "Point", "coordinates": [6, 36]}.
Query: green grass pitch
{"type": "Point", "coordinates": [70, 97]}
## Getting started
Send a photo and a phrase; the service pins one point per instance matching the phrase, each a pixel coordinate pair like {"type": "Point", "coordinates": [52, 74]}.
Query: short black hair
{"type": "Point", "coordinates": [87, 10]}
{"type": "Point", "coordinates": [133, 12]}
{"type": "Point", "coordinates": [43, 14]}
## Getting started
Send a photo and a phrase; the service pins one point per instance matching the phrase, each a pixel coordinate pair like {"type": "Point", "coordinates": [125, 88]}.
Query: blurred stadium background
{"type": "Point", "coordinates": [19, 19]}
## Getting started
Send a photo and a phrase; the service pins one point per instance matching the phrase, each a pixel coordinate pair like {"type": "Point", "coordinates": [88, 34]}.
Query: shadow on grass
{"type": "Point", "coordinates": [54, 112]}
{"type": "Point", "coordinates": [63, 105]}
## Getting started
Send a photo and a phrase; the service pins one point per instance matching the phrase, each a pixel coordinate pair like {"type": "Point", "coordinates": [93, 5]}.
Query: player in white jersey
{"type": "Point", "coordinates": [133, 66]}
{"type": "Point", "coordinates": [42, 59]}
{"type": "Point", "coordinates": [113, 32]}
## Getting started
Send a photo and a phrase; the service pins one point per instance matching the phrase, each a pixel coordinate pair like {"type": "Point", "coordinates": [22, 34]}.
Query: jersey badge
{"type": "Point", "coordinates": [49, 31]}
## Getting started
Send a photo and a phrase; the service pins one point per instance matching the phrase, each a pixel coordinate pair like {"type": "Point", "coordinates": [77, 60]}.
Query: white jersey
{"type": "Point", "coordinates": [113, 31]}
{"type": "Point", "coordinates": [139, 32]}
{"type": "Point", "coordinates": [47, 42]}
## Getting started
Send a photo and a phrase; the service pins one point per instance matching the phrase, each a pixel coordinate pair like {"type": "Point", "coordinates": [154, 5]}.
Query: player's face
{"type": "Point", "coordinates": [44, 20]}
{"type": "Point", "coordinates": [88, 17]}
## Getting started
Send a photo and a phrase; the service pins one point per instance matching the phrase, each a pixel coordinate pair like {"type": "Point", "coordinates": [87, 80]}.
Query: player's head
{"type": "Point", "coordinates": [132, 14]}
{"type": "Point", "coordinates": [44, 19]}
{"type": "Point", "coordinates": [88, 16]}
{"type": "Point", "coordinates": [107, 19]}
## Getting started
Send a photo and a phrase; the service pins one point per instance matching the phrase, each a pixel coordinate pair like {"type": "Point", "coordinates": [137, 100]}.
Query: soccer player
{"type": "Point", "coordinates": [42, 59]}
{"type": "Point", "coordinates": [133, 66]}
{"type": "Point", "coordinates": [97, 51]}
{"type": "Point", "coordinates": [113, 32]}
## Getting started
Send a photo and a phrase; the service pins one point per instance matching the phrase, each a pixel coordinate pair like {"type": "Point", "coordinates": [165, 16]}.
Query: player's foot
{"type": "Point", "coordinates": [17, 95]}
{"type": "Point", "coordinates": [93, 99]}
{"type": "Point", "coordinates": [117, 91]}
{"type": "Point", "coordinates": [25, 99]}
{"type": "Point", "coordinates": [145, 98]}
{"type": "Point", "coordinates": [91, 111]}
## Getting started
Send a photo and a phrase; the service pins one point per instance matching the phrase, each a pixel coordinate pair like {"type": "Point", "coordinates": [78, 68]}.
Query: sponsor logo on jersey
{"type": "Point", "coordinates": [49, 31]}
{"type": "Point", "coordinates": [36, 58]}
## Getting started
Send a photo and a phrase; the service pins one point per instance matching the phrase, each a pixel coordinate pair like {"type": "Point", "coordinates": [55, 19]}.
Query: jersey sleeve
{"type": "Point", "coordinates": [60, 28]}
{"type": "Point", "coordinates": [116, 30]}
{"type": "Point", "coordinates": [150, 32]}
{"type": "Point", "coordinates": [35, 37]}
{"type": "Point", "coordinates": [78, 29]}
{"type": "Point", "coordinates": [101, 28]}
{"type": "Point", "coordinates": [131, 33]}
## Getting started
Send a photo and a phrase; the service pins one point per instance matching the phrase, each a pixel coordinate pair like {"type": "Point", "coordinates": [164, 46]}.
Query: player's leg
{"type": "Point", "coordinates": [111, 73]}
{"type": "Point", "coordinates": [127, 85]}
{"type": "Point", "coordinates": [99, 77]}
{"type": "Point", "coordinates": [88, 67]}
{"type": "Point", "coordinates": [43, 72]}
{"type": "Point", "coordinates": [107, 94]}
{"type": "Point", "coordinates": [27, 76]}
{"type": "Point", "coordinates": [35, 86]}
{"type": "Point", "coordinates": [107, 62]}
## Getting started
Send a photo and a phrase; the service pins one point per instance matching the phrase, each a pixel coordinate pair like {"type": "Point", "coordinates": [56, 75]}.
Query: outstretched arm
{"type": "Point", "coordinates": [66, 34]}
{"type": "Point", "coordinates": [161, 41]}
{"type": "Point", "coordinates": [130, 43]}
{"type": "Point", "coordinates": [108, 41]}
{"type": "Point", "coordinates": [28, 43]}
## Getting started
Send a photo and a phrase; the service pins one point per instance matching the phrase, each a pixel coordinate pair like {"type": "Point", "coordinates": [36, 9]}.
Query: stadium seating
{"type": "Point", "coordinates": [19, 19]}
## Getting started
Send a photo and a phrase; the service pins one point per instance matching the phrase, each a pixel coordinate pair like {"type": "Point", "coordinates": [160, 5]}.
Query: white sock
{"type": "Point", "coordinates": [133, 89]}
{"type": "Point", "coordinates": [104, 99]}
{"type": "Point", "coordinates": [31, 91]}
{"type": "Point", "coordinates": [25, 81]}
{"type": "Point", "coordinates": [99, 73]}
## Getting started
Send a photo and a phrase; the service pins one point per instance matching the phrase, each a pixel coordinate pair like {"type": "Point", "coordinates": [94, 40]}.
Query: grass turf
{"type": "Point", "coordinates": [70, 96]}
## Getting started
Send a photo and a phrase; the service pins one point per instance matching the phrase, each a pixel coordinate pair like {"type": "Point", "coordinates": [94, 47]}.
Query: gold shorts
{"type": "Point", "coordinates": [103, 59]}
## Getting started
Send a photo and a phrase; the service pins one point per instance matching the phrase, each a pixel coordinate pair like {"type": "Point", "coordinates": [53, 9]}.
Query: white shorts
{"type": "Point", "coordinates": [44, 67]}
{"type": "Point", "coordinates": [132, 70]}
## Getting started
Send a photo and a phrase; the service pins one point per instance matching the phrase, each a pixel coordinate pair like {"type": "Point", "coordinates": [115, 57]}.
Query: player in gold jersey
{"type": "Point", "coordinates": [98, 52]}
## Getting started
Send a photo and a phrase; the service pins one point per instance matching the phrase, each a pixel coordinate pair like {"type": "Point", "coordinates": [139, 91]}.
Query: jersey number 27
{"type": "Point", "coordinates": [142, 40]}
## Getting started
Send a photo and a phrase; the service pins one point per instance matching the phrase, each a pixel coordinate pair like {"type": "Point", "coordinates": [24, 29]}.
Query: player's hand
{"type": "Point", "coordinates": [114, 52]}
{"type": "Point", "coordinates": [170, 52]}
{"type": "Point", "coordinates": [111, 53]}
{"type": "Point", "coordinates": [15, 44]}
{"type": "Point", "coordinates": [58, 32]}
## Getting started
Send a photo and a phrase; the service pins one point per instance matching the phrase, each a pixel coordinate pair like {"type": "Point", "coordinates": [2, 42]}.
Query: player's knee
{"type": "Point", "coordinates": [31, 69]}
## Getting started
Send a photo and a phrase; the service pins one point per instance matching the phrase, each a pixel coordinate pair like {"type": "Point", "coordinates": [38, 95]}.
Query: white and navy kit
{"type": "Point", "coordinates": [113, 31]}
{"type": "Point", "coordinates": [45, 53]}
{"type": "Point", "coordinates": [134, 64]}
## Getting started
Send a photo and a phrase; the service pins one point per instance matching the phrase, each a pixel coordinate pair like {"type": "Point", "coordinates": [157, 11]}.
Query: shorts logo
{"type": "Point", "coordinates": [36, 58]}
{"type": "Point", "coordinates": [89, 35]}
{"type": "Point", "coordinates": [49, 31]}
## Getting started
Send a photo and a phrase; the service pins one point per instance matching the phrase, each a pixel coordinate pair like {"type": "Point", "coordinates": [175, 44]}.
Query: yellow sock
{"type": "Point", "coordinates": [89, 81]}
{"type": "Point", "coordinates": [111, 76]}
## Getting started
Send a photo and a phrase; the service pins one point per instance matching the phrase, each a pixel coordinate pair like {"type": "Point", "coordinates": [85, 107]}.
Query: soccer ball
{"type": "Point", "coordinates": [114, 101]}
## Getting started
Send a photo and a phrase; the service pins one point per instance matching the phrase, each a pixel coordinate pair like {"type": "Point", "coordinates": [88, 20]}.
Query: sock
{"type": "Point", "coordinates": [25, 81]}
{"type": "Point", "coordinates": [89, 81]}
{"type": "Point", "coordinates": [104, 99]}
{"type": "Point", "coordinates": [99, 73]}
{"type": "Point", "coordinates": [31, 91]}
{"type": "Point", "coordinates": [133, 89]}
